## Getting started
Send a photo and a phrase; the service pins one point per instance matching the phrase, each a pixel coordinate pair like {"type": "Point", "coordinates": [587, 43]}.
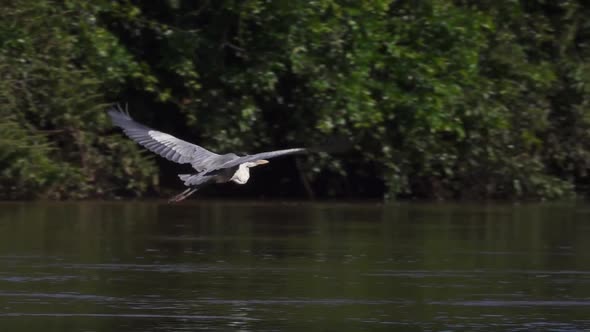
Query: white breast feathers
{"type": "Point", "coordinates": [242, 175]}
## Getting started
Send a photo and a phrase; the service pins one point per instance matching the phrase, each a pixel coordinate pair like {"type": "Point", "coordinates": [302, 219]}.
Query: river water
{"type": "Point", "coordinates": [227, 266]}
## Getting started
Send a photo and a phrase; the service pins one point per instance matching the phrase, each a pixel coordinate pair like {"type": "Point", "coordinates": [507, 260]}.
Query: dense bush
{"type": "Point", "coordinates": [441, 99]}
{"type": "Point", "coordinates": [53, 86]}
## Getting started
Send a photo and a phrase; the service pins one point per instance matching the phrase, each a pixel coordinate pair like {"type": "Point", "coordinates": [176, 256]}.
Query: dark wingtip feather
{"type": "Point", "coordinates": [121, 118]}
{"type": "Point", "coordinates": [118, 110]}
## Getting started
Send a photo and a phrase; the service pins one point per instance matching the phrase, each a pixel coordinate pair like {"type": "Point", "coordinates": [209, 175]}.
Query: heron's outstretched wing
{"type": "Point", "coordinates": [165, 145]}
{"type": "Point", "coordinates": [260, 156]}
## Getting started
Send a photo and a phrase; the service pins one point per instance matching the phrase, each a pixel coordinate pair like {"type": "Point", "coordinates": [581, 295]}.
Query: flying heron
{"type": "Point", "coordinates": [211, 167]}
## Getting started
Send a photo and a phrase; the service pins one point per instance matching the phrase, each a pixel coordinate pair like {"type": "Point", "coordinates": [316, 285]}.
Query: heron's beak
{"type": "Point", "coordinates": [261, 162]}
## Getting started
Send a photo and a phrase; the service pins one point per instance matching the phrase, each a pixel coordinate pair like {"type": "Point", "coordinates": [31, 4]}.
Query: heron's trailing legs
{"type": "Point", "coordinates": [182, 195]}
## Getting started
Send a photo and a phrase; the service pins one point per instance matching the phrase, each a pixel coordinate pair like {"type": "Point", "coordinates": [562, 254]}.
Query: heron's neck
{"type": "Point", "coordinates": [242, 175]}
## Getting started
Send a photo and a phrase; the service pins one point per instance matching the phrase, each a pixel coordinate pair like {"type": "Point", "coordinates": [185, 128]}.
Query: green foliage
{"type": "Point", "coordinates": [442, 99]}
{"type": "Point", "coordinates": [52, 134]}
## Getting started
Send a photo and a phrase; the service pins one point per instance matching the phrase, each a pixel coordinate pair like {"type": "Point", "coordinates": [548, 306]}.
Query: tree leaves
{"type": "Point", "coordinates": [440, 99]}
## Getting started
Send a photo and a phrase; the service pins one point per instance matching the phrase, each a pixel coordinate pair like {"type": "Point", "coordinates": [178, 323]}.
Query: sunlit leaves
{"type": "Point", "coordinates": [441, 99]}
{"type": "Point", "coordinates": [56, 69]}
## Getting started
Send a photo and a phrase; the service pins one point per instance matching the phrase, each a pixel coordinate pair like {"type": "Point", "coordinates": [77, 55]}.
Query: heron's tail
{"type": "Point", "coordinates": [195, 180]}
{"type": "Point", "coordinates": [186, 178]}
{"type": "Point", "coordinates": [182, 195]}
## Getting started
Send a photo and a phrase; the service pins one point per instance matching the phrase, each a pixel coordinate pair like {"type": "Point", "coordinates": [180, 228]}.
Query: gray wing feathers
{"type": "Point", "coordinates": [278, 153]}
{"type": "Point", "coordinates": [165, 145]}
{"type": "Point", "coordinates": [262, 155]}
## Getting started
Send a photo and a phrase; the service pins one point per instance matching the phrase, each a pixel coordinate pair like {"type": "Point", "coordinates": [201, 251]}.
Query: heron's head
{"type": "Point", "coordinates": [242, 175]}
{"type": "Point", "coordinates": [256, 163]}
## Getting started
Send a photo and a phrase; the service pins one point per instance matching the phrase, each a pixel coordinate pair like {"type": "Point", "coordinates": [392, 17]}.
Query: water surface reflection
{"type": "Point", "coordinates": [268, 267]}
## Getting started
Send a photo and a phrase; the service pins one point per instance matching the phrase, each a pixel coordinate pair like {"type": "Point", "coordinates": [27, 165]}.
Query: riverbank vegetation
{"type": "Point", "coordinates": [441, 99]}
